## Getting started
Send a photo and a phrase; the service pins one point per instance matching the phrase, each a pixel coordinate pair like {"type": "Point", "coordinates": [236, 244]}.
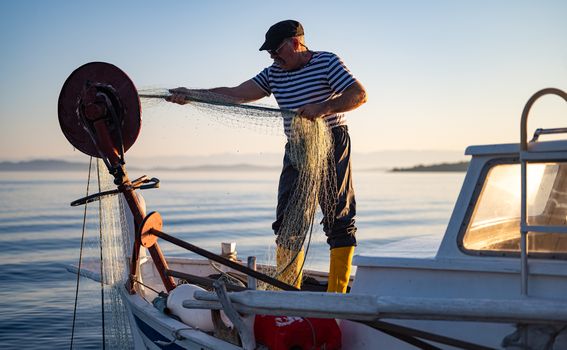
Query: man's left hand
{"type": "Point", "coordinates": [311, 111]}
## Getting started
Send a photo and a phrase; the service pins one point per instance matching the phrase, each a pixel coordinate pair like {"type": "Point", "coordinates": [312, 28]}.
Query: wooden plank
{"type": "Point", "coordinates": [369, 307]}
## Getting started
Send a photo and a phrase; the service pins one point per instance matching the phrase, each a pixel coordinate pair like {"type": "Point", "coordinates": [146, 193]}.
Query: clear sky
{"type": "Point", "coordinates": [439, 74]}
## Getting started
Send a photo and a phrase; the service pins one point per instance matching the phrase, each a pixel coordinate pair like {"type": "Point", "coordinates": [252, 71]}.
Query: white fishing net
{"type": "Point", "coordinates": [261, 118]}
{"type": "Point", "coordinates": [116, 242]}
{"type": "Point", "coordinates": [311, 153]}
{"type": "Point", "coordinates": [101, 313]}
{"type": "Point", "coordinates": [110, 239]}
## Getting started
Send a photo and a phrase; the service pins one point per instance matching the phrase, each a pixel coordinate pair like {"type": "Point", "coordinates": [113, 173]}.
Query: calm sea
{"type": "Point", "coordinates": [40, 235]}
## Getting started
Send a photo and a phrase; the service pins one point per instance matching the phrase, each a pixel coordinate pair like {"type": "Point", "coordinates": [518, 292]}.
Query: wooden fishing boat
{"type": "Point", "coordinates": [497, 280]}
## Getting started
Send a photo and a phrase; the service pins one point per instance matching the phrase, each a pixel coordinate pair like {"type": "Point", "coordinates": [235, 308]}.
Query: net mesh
{"type": "Point", "coordinates": [261, 118]}
{"type": "Point", "coordinates": [102, 315]}
{"type": "Point", "coordinates": [115, 243]}
{"type": "Point", "coordinates": [310, 151]}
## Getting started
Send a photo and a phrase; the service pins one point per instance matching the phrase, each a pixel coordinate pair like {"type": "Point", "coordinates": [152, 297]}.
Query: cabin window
{"type": "Point", "coordinates": [494, 224]}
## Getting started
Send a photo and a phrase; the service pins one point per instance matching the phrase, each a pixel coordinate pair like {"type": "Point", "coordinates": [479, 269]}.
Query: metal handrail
{"type": "Point", "coordinates": [526, 111]}
{"type": "Point", "coordinates": [540, 131]}
{"type": "Point", "coordinates": [523, 163]}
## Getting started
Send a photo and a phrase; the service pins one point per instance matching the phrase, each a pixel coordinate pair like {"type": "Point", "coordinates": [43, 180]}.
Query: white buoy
{"type": "Point", "coordinates": [197, 318]}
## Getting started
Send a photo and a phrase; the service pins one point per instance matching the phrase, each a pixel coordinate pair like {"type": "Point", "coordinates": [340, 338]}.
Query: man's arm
{"type": "Point", "coordinates": [353, 97]}
{"type": "Point", "coordinates": [245, 92]}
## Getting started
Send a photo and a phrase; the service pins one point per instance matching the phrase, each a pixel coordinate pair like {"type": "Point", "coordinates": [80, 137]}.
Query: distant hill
{"type": "Point", "coordinates": [374, 161]}
{"type": "Point", "coordinates": [61, 165]}
{"type": "Point", "coordinates": [379, 160]}
{"type": "Point", "coordinates": [43, 165]}
{"type": "Point", "coordinates": [443, 167]}
{"type": "Point", "coordinates": [228, 167]}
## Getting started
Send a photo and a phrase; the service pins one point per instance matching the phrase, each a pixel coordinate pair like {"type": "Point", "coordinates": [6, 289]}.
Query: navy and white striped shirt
{"type": "Point", "coordinates": [322, 78]}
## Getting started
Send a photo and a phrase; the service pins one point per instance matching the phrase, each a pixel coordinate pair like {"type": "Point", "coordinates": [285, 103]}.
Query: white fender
{"type": "Point", "coordinates": [198, 318]}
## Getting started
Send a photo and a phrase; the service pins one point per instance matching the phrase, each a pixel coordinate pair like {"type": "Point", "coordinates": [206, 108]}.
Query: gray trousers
{"type": "Point", "coordinates": [341, 232]}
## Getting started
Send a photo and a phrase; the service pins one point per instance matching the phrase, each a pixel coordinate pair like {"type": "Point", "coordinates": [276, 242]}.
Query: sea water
{"type": "Point", "coordinates": [40, 236]}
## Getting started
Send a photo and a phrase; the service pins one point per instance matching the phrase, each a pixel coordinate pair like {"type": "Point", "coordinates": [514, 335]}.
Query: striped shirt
{"type": "Point", "coordinates": [322, 78]}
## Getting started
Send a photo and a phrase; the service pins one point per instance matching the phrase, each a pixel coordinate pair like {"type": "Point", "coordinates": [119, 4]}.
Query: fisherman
{"type": "Point", "coordinates": [315, 84]}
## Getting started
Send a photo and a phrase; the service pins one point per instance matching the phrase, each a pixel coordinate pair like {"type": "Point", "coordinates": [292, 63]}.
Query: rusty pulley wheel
{"type": "Point", "coordinates": [121, 110]}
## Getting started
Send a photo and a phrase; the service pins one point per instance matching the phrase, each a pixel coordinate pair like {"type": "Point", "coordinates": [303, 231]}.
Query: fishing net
{"type": "Point", "coordinates": [116, 242]}
{"type": "Point", "coordinates": [264, 119]}
{"type": "Point", "coordinates": [101, 312]}
{"type": "Point", "coordinates": [310, 151]}
{"type": "Point", "coordinates": [110, 240]}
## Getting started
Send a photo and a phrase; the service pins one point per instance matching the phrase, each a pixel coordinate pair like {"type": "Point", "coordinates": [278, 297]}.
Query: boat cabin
{"type": "Point", "coordinates": [502, 260]}
{"type": "Point", "coordinates": [491, 222]}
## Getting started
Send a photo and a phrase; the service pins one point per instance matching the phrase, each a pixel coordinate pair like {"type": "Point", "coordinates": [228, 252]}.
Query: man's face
{"type": "Point", "coordinates": [284, 55]}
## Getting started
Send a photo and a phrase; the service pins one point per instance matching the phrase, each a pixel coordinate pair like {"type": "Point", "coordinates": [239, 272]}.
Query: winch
{"type": "Point", "coordinates": [99, 113]}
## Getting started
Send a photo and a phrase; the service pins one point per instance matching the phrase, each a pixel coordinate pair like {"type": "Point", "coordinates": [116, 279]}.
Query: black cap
{"type": "Point", "coordinates": [280, 31]}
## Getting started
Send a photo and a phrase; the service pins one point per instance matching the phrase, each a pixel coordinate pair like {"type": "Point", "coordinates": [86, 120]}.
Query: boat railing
{"type": "Point", "coordinates": [372, 310]}
{"type": "Point", "coordinates": [367, 307]}
{"type": "Point", "coordinates": [525, 158]}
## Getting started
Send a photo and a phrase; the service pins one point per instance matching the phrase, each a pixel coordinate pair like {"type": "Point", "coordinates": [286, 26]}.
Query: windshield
{"type": "Point", "coordinates": [494, 225]}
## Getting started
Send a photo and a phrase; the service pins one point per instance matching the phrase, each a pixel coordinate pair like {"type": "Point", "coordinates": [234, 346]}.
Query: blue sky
{"type": "Point", "coordinates": [439, 74]}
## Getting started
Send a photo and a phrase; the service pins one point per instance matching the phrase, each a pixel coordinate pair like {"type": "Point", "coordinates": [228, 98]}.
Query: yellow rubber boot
{"type": "Point", "coordinates": [339, 269]}
{"type": "Point", "coordinates": [293, 274]}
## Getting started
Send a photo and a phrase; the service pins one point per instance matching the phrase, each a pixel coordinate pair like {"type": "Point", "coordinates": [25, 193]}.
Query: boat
{"type": "Point", "coordinates": [496, 282]}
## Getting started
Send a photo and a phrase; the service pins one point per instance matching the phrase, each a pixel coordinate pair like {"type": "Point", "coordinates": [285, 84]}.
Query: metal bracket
{"type": "Point", "coordinates": [136, 184]}
{"type": "Point", "coordinates": [243, 324]}
{"type": "Point", "coordinates": [541, 131]}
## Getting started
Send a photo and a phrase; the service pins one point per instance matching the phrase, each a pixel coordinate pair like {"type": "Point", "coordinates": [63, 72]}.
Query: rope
{"type": "Point", "coordinates": [101, 259]}
{"type": "Point", "coordinates": [176, 337]}
{"type": "Point", "coordinates": [306, 246]}
{"type": "Point", "coordinates": [150, 288]}
{"type": "Point", "coordinates": [226, 275]}
{"type": "Point", "coordinates": [80, 260]}
{"type": "Point", "coordinates": [313, 332]}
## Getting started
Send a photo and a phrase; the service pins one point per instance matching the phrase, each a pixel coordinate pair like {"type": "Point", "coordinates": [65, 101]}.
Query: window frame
{"type": "Point", "coordinates": [472, 205]}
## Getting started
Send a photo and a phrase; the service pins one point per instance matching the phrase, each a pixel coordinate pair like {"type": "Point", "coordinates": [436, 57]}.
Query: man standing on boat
{"type": "Point", "coordinates": [315, 84]}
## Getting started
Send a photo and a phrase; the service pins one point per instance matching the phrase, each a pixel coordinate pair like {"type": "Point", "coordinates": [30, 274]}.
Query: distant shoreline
{"type": "Point", "coordinates": [64, 166]}
{"type": "Point", "coordinates": [43, 165]}
{"type": "Point", "coordinates": [442, 167]}
{"type": "Point", "coordinates": [61, 165]}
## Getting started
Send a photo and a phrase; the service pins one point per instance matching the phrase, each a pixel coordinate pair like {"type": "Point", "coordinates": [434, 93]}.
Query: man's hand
{"type": "Point", "coordinates": [351, 98]}
{"type": "Point", "coordinates": [178, 95]}
{"type": "Point", "coordinates": [312, 111]}
{"type": "Point", "coordinates": [246, 92]}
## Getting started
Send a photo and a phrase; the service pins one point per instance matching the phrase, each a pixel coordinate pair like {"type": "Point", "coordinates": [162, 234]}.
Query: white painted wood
{"type": "Point", "coordinates": [466, 263]}
{"type": "Point", "coordinates": [307, 304]}
{"type": "Point", "coordinates": [369, 307]}
{"type": "Point", "coordinates": [557, 147]}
